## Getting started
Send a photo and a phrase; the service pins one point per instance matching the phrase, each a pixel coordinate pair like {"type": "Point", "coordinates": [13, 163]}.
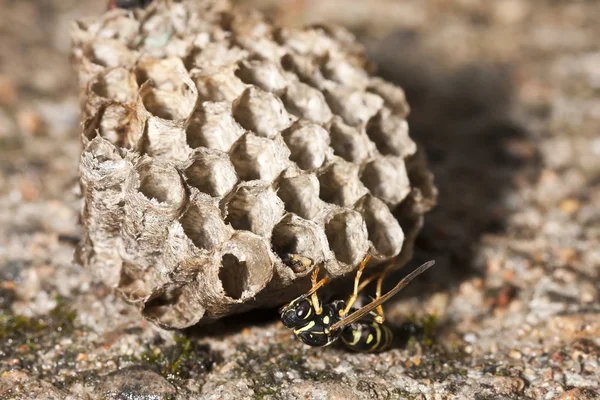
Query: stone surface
{"type": "Point", "coordinates": [503, 96]}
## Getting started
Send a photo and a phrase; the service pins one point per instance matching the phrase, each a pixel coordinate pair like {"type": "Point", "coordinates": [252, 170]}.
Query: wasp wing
{"type": "Point", "coordinates": [357, 315]}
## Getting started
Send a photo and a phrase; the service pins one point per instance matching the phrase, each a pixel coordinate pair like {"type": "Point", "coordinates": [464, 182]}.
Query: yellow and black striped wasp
{"type": "Point", "coordinates": [320, 324]}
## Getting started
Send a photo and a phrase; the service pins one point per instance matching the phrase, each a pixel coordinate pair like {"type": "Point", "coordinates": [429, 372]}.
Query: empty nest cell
{"type": "Point", "coordinates": [389, 132]}
{"type": "Point", "coordinates": [214, 55]}
{"type": "Point", "coordinates": [212, 125]}
{"type": "Point", "coordinates": [259, 158]}
{"type": "Point", "coordinates": [387, 179]}
{"type": "Point", "coordinates": [306, 102]}
{"type": "Point", "coordinates": [261, 112]}
{"type": "Point", "coordinates": [384, 230]}
{"type": "Point", "coordinates": [166, 89]}
{"type": "Point", "coordinates": [394, 96]}
{"type": "Point", "coordinates": [109, 53]}
{"type": "Point", "coordinates": [354, 106]}
{"type": "Point", "coordinates": [211, 172]}
{"type": "Point", "coordinates": [245, 267]}
{"type": "Point", "coordinates": [202, 223]}
{"type": "Point", "coordinates": [263, 73]}
{"type": "Point", "coordinates": [218, 85]}
{"type": "Point", "coordinates": [300, 193]}
{"type": "Point", "coordinates": [117, 84]}
{"type": "Point", "coordinates": [160, 182]}
{"type": "Point", "coordinates": [340, 183]}
{"type": "Point", "coordinates": [308, 144]}
{"type": "Point", "coordinates": [306, 68]}
{"type": "Point", "coordinates": [339, 68]}
{"type": "Point", "coordinates": [347, 235]}
{"type": "Point", "coordinates": [349, 142]}
{"type": "Point", "coordinates": [253, 206]}
{"type": "Point", "coordinates": [120, 124]}
{"type": "Point", "coordinates": [165, 139]}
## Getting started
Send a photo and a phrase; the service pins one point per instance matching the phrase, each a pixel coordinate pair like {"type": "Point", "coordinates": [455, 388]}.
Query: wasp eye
{"type": "Point", "coordinates": [302, 310]}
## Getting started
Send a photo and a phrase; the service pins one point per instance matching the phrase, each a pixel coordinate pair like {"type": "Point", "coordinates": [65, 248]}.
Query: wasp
{"type": "Point", "coordinates": [319, 324]}
{"type": "Point", "coordinates": [128, 3]}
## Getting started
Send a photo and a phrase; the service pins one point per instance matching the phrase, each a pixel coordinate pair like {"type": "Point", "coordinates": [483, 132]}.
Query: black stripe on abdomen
{"type": "Point", "coordinates": [367, 336]}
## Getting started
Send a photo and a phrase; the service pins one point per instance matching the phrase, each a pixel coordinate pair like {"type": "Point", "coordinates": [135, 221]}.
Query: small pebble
{"type": "Point", "coordinates": [470, 338]}
{"type": "Point", "coordinates": [515, 354]}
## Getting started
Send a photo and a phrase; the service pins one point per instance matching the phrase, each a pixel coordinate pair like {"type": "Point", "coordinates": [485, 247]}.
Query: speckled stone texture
{"type": "Point", "coordinates": [215, 144]}
{"type": "Point", "coordinates": [503, 98]}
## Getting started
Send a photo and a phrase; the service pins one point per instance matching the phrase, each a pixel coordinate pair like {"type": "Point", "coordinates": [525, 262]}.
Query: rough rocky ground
{"type": "Point", "coordinates": [505, 98]}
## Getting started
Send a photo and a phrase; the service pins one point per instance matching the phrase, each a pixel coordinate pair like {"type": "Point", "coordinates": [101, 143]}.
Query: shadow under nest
{"type": "Point", "coordinates": [476, 150]}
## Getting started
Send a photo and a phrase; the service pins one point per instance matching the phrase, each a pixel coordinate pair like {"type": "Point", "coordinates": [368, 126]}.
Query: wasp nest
{"type": "Point", "coordinates": [216, 144]}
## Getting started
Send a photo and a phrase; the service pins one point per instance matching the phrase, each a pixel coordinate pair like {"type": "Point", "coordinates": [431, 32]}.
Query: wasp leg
{"type": "Point", "coordinates": [357, 288]}
{"type": "Point", "coordinates": [316, 303]}
{"type": "Point", "coordinates": [380, 317]}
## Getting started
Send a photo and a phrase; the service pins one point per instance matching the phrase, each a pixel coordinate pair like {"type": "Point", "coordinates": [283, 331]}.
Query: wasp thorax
{"type": "Point", "coordinates": [224, 157]}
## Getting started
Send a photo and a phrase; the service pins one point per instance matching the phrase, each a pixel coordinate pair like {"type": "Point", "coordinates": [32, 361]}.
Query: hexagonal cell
{"type": "Point", "coordinates": [167, 104]}
{"type": "Point", "coordinates": [306, 102]}
{"type": "Point", "coordinates": [337, 67]}
{"type": "Point", "coordinates": [211, 125]}
{"type": "Point", "coordinates": [263, 73]}
{"type": "Point", "coordinates": [203, 224]}
{"type": "Point", "coordinates": [253, 206]}
{"type": "Point", "coordinates": [261, 112]}
{"type": "Point", "coordinates": [305, 67]}
{"type": "Point", "coordinates": [393, 95]}
{"type": "Point", "coordinates": [123, 27]}
{"type": "Point", "coordinates": [354, 106]}
{"type": "Point", "coordinates": [387, 179]}
{"type": "Point", "coordinates": [300, 193]}
{"type": "Point", "coordinates": [340, 183]}
{"type": "Point", "coordinates": [349, 142]}
{"type": "Point", "coordinates": [166, 89]}
{"type": "Point", "coordinates": [312, 41]}
{"type": "Point", "coordinates": [214, 54]}
{"type": "Point", "coordinates": [295, 235]}
{"type": "Point", "coordinates": [308, 143]}
{"type": "Point", "coordinates": [389, 132]}
{"type": "Point", "coordinates": [160, 182]}
{"type": "Point", "coordinates": [122, 125]}
{"type": "Point", "coordinates": [384, 230]}
{"type": "Point", "coordinates": [259, 158]}
{"type": "Point", "coordinates": [246, 266]}
{"type": "Point", "coordinates": [219, 85]}
{"type": "Point", "coordinates": [254, 34]}
{"type": "Point", "coordinates": [177, 307]}
{"type": "Point", "coordinates": [167, 74]}
{"type": "Point", "coordinates": [263, 47]}
{"type": "Point", "coordinates": [211, 172]}
{"type": "Point", "coordinates": [109, 53]}
{"type": "Point", "coordinates": [165, 139]}
{"type": "Point", "coordinates": [102, 165]}
{"type": "Point", "coordinates": [347, 235]}
{"type": "Point", "coordinates": [116, 84]}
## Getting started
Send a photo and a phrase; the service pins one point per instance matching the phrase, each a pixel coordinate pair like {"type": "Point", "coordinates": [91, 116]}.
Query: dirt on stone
{"type": "Point", "coordinates": [505, 98]}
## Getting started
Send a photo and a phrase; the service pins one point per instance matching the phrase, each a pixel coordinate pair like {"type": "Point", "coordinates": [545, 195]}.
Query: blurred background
{"type": "Point", "coordinates": [505, 99]}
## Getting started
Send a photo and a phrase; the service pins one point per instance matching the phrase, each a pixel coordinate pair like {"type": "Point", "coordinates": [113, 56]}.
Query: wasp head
{"type": "Point", "coordinates": [297, 313]}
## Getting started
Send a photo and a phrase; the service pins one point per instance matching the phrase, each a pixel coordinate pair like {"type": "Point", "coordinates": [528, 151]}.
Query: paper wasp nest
{"type": "Point", "coordinates": [215, 144]}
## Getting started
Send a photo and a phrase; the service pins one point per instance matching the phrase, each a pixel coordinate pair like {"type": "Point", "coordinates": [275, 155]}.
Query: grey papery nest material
{"type": "Point", "coordinates": [215, 143]}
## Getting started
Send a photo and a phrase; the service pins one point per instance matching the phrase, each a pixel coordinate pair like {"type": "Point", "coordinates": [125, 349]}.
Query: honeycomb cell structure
{"type": "Point", "coordinates": [217, 144]}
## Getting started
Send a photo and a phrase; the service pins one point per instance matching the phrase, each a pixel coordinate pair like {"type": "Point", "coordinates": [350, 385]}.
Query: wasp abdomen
{"type": "Point", "coordinates": [367, 336]}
